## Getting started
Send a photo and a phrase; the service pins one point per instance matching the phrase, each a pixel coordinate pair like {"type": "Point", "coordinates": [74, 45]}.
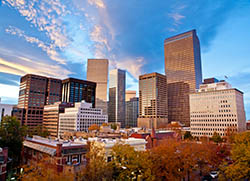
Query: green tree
{"type": "Point", "coordinates": [188, 135]}
{"type": "Point", "coordinates": [39, 130]}
{"type": "Point", "coordinates": [240, 153]}
{"type": "Point", "coordinates": [216, 138]}
{"type": "Point", "coordinates": [11, 136]}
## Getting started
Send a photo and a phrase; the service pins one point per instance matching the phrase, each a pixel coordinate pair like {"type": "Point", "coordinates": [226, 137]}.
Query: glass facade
{"type": "Point", "coordinates": [117, 85]}
{"type": "Point", "coordinates": [75, 90]}
{"type": "Point", "coordinates": [183, 71]}
{"type": "Point", "coordinates": [152, 100]}
{"type": "Point", "coordinates": [36, 92]}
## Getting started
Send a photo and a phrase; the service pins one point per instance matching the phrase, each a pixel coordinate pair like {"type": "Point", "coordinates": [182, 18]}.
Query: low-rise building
{"type": "Point", "coordinates": [107, 144]}
{"type": "Point", "coordinates": [216, 107]}
{"type": "Point", "coordinates": [248, 125]}
{"type": "Point", "coordinates": [63, 156]}
{"type": "Point", "coordinates": [3, 163]}
{"type": "Point", "coordinates": [154, 138]}
{"type": "Point", "coordinates": [80, 118]}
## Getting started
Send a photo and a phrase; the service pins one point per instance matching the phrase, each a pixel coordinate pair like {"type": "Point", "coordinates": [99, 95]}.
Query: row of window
{"type": "Point", "coordinates": [213, 120]}
{"type": "Point", "coordinates": [213, 115]}
{"type": "Point", "coordinates": [213, 129]}
{"type": "Point", "coordinates": [210, 125]}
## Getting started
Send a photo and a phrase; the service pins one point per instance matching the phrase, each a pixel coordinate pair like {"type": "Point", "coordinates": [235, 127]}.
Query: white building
{"type": "Point", "coordinates": [5, 110]}
{"type": "Point", "coordinates": [107, 144]}
{"type": "Point", "coordinates": [80, 118]}
{"type": "Point", "coordinates": [216, 107]}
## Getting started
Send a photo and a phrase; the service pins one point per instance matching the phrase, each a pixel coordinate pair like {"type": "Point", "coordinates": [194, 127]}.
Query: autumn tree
{"type": "Point", "coordinates": [97, 167]}
{"type": "Point", "coordinates": [43, 171]}
{"type": "Point", "coordinates": [216, 138]}
{"type": "Point", "coordinates": [240, 153]}
{"type": "Point", "coordinates": [94, 127]}
{"type": "Point", "coordinates": [167, 163]}
{"type": "Point", "coordinates": [129, 164]}
{"type": "Point", "coordinates": [12, 135]}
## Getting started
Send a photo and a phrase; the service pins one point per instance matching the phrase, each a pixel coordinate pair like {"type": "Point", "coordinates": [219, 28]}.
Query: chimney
{"type": "Point", "coordinates": [59, 149]}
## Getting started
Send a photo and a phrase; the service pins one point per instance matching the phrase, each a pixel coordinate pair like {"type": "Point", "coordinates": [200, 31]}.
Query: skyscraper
{"type": "Point", "coordinates": [97, 71]}
{"type": "Point", "coordinates": [132, 112]}
{"type": "Point", "coordinates": [117, 84]}
{"type": "Point", "coordinates": [152, 101]}
{"type": "Point", "coordinates": [36, 92]}
{"type": "Point", "coordinates": [76, 90]}
{"type": "Point", "coordinates": [130, 94]}
{"type": "Point", "coordinates": [183, 71]}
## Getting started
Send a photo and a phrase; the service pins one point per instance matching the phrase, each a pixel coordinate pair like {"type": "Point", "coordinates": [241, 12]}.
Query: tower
{"type": "Point", "coordinates": [183, 71]}
{"type": "Point", "coordinates": [97, 71]}
{"type": "Point", "coordinates": [117, 85]}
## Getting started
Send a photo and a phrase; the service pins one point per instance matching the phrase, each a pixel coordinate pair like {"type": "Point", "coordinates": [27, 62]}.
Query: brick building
{"type": "Point", "coordinates": [63, 156]}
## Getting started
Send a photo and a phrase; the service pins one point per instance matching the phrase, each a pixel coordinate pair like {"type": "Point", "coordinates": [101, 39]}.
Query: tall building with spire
{"type": "Point", "coordinates": [97, 71]}
{"type": "Point", "coordinates": [184, 74]}
{"type": "Point", "coordinates": [116, 106]}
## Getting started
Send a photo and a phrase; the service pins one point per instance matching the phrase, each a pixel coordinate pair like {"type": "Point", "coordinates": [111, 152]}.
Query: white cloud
{"type": "Point", "coordinates": [47, 16]}
{"type": "Point", "coordinates": [50, 50]}
{"type": "Point", "coordinates": [132, 65]}
{"type": "Point", "coordinates": [9, 91]}
{"type": "Point", "coordinates": [177, 17]}
{"type": "Point", "coordinates": [97, 3]}
{"type": "Point", "coordinates": [23, 65]}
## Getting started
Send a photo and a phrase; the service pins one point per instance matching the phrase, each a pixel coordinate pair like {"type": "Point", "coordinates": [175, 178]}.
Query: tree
{"type": "Point", "coordinates": [113, 126]}
{"type": "Point", "coordinates": [240, 167]}
{"type": "Point", "coordinates": [216, 138]}
{"type": "Point", "coordinates": [97, 167]}
{"type": "Point", "coordinates": [94, 127]}
{"type": "Point", "coordinates": [129, 164]}
{"type": "Point", "coordinates": [43, 171]}
{"type": "Point", "coordinates": [11, 136]}
{"type": "Point", "coordinates": [188, 135]}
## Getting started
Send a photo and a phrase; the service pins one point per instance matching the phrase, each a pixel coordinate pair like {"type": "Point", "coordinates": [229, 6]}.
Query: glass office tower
{"type": "Point", "coordinates": [117, 85]}
{"type": "Point", "coordinates": [183, 71]}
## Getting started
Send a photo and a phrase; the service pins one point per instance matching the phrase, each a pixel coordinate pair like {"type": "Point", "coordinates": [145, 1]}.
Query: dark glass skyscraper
{"type": "Point", "coordinates": [183, 71]}
{"type": "Point", "coordinates": [36, 92]}
{"type": "Point", "coordinates": [117, 86]}
{"type": "Point", "coordinates": [75, 90]}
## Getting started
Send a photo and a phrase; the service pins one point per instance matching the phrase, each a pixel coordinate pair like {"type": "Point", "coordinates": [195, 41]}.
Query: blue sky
{"type": "Point", "coordinates": [55, 38]}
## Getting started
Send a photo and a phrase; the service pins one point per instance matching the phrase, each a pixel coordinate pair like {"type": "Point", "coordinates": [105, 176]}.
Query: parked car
{"type": "Point", "coordinates": [214, 174]}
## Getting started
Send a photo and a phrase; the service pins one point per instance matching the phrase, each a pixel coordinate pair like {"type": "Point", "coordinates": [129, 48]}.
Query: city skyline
{"type": "Point", "coordinates": [61, 44]}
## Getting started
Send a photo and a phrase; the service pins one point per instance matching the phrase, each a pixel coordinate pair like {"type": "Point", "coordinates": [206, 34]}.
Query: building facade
{"type": "Point", "coordinates": [130, 94]}
{"type": "Point", "coordinates": [116, 106]}
{"type": "Point", "coordinates": [97, 71]}
{"type": "Point", "coordinates": [182, 67]}
{"type": "Point", "coordinates": [132, 112]}
{"type": "Point", "coordinates": [80, 118]}
{"type": "Point", "coordinates": [51, 116]}
{"type": "Point", "coordinates": [216, 107]}
{"type": "Point", "coordinates": [64, 157]}
{"type": "Point", "coordinates": [152, 101]}
{"type": "Point", "coordinates": [36, 92]}
{"type": "Point", "coordinates": [3, 163]}
{"type": "Point", "coordinates": [5, 110]}
{"type": "Point", "coordinates": [76, 90]}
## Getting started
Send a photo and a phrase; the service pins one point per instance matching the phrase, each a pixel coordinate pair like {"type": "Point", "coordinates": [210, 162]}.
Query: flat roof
{"type": "Point", "coordinates": [52, 142]}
